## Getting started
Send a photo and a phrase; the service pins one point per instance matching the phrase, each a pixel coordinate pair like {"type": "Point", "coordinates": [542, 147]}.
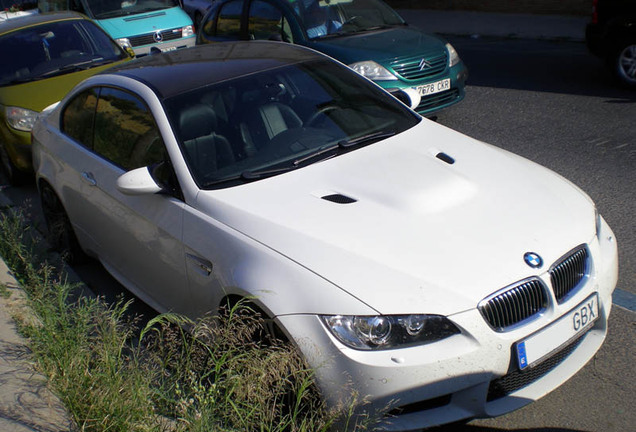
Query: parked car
{"type": "Point", "coordinates": [45, 55]}
{"type": "Point", "coordinates": [143, 25]}
{"type": "Point", "coordinates": [197, 10]}
{"type": "Point", "coordinates": [422, 70]}
{"type": "Point", "coordinates": [430, 273]}
{"type": "Point", "coordinates": [611, 35]}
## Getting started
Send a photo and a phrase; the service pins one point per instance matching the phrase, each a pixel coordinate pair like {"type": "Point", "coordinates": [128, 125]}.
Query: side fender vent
{"type": "Point", "coordinates": [339, 199]}
{"type": "Point", "coordinates": [444, 157]}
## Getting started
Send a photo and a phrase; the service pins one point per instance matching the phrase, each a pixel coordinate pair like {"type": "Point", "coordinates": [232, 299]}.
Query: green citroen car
{"type": "Point", "coordinates": [43, 57]}
{"type": "Point", "coordinates": [422, 70]}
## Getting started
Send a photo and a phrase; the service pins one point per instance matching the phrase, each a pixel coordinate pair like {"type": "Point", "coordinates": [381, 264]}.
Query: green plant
{"type": "Point", "coordinates": [172, 374]}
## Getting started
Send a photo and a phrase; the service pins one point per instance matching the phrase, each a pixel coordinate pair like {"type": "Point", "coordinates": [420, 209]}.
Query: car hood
{"type": "Point", "coordinates": [37, 95]}
{"type": "Point", "coordinates": [381, 46]}
{"type": "Point", "coordinates": [423, 235]}
{"type": "Point", "coordinates": [150, 22]}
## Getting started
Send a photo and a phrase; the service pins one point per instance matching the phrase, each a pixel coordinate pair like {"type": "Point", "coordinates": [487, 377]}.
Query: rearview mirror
{"type": "Point", "coordinates": [138, 182]}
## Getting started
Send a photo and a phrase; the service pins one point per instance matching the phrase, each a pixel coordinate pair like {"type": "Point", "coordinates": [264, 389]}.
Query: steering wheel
{"type": "Point", "coordinates": [321, 111]}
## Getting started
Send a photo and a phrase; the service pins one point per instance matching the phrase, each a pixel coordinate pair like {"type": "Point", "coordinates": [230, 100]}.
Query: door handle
{"type": "Point", "coordinates": [88, 178]}
{"type": "Point", "coordinates": [202, 266]}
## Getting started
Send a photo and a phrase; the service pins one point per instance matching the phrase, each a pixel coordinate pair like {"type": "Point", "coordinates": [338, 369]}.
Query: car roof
{"type": "Point", "coordinates": [37, 18]}
{"type": "Point", "coordinates": [178, 71]}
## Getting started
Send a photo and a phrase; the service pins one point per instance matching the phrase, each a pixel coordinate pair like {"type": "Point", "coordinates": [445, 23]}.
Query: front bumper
{"type": "Point", "coordinates": [428, 105]}
{"type": "Point", "coordinates": [470, 375]}
{"type": "Point", "coordinates": [187, 42]}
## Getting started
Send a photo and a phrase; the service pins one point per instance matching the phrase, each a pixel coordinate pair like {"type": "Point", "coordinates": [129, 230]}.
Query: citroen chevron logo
{"type": "Point", "coordinates": [423, 64]}
{"type": "Point", "coordinates": [533, 259]}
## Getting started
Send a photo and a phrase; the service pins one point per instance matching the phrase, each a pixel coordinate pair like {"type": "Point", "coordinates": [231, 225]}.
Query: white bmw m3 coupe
{"type": "Point", "coordinates": [438, 277]}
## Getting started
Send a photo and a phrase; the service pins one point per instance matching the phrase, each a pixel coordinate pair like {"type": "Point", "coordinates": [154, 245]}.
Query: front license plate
{"type": "Point", "coordinates": [436, 87]}
{"type": "Point", "coordinates": [541, 344]}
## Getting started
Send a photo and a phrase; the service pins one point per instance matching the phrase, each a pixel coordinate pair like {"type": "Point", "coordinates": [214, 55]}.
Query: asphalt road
{"type": "Point", "coordinates": [557, 105]}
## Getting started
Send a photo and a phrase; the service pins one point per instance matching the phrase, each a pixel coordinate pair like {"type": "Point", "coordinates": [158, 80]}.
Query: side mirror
{"type": "Point", "coordinates": [138, 182]}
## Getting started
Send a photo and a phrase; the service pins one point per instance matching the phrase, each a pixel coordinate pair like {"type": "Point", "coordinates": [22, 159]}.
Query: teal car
{"type": "Point", "coordinates": [142, 25]}
{"type": "Point", "coordinates": [422, 70]}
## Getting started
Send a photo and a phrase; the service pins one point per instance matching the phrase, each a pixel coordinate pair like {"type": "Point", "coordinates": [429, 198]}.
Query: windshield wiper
{"type": "Point", "coordinates": [346, 145]}
{"type": "Point", "coordinates": [367, 139]}
{"type": "Point", "coordinates": [74, 67]}
{"type": "Point", "coordinates": [259, 174]}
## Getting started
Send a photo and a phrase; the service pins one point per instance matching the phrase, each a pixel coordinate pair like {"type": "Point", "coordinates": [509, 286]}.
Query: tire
{"type": "Point", "coordinates": [624, 64]}
{"type": "Point", "coordinates": [13, 174]}
{"type": "Point", "coordinates": [60, 234]}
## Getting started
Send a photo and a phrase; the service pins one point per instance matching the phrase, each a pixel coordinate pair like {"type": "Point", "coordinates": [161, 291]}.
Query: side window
{"type": "Point", "coordinates": [78, 117]}
{"type": "Point", "coordinates": [266, 21]}
{"type": "Point", "coordinates": [125, 131]}
{"type": "Point", "coordinates": [228, 25]}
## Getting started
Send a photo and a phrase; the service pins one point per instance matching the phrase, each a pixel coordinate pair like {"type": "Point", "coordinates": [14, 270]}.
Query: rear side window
{"type": "Point", "coordinates": [78, 118]}
{"type": "Point", "coordinates": [228, 25]}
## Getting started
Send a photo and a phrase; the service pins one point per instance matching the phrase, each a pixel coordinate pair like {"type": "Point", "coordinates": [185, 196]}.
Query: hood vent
{"type": "Point", "coordinates": [339, 199]}
{"type": "Point", "coordinates": [444, 157]}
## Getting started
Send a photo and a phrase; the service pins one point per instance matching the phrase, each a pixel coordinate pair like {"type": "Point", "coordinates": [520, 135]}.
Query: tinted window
{"type": "Point", "coordinates": [262, 124]}
{"type": "Point", "coordinates": [266, 21]}
{"type": "Point", "coordinates": [53, 49]}
{"type": "Point", "coordinates": [228, 25]}
{"type": "Point", "coordinates": [125, 131]}
{"type": "Point", "coordinates": [77, 119]}
{"type": "Point", "coordinates": [322, 18]}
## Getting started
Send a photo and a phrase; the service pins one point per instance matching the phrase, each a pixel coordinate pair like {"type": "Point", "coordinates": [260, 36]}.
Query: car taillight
{"type": "Point", "coordinates": [594, 11]}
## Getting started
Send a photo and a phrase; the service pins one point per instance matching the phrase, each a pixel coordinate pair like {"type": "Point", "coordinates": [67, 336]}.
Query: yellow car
{"type": "Point", "coordinates": [43, 57]}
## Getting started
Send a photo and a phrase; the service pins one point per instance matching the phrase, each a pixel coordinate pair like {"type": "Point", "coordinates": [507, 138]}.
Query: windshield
{"type": "Point", "coordinates": [337, 17]}
{"type": "Point", "coordinates": [279, 120]}
{"type": "Point", "coordinates": [54, 49]}
{"type": "Point", "coordinates": [103, 9]}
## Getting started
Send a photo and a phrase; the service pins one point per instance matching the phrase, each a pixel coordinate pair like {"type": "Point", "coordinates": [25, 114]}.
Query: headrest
{"type": "Point", "coordinates": [197, 121]}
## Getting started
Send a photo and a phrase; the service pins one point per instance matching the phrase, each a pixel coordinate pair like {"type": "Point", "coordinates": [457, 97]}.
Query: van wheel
{"type": "Point", "coordinates": [60, 234]}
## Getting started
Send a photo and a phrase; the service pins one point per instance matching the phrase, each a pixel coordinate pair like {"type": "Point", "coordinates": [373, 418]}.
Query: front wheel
{"type": "Point", "coordinates": [625, 64]}
{"type": "Point", "coordinates": [14, 175]}
{"type": "Point", "coordinates": [60, 233]}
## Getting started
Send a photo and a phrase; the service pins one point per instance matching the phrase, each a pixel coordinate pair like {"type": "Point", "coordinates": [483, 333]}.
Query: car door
{"type": "Point", "coordinates": [137, 238]}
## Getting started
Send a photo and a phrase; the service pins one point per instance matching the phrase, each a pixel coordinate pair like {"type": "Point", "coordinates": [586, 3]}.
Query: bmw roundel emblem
{"type": "Point", "coordinates": [533, 259]}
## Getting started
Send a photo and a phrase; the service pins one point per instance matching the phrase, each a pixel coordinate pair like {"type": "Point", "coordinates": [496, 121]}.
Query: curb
{"type": "Point", "coordinates": [26, 402]}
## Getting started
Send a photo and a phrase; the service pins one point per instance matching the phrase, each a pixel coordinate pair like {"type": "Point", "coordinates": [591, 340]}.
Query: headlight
{"type": "Point", "coordinates": [387, 332]}
{"type": "Point", "coordinates": [124, 43]}
{"type": "Point", "coordinates": [187, 31]}
{"type": "Point", "coordinates": [453, 57]}
{"type": "Point", "coordinates": [21, 119]}
{"type": "Point", "coordinates": [372, 70]}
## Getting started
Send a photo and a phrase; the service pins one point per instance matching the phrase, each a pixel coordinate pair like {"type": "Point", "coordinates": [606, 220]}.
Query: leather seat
{"type": "Point", "coordinates": [206, 151]}
{"type": "Point", "coordinates": [264, 123]}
